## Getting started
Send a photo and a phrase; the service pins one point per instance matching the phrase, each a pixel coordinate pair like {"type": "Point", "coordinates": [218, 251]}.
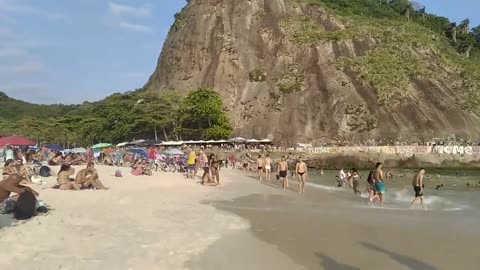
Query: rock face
{"type": "Point", "coordinates": [274, 88]}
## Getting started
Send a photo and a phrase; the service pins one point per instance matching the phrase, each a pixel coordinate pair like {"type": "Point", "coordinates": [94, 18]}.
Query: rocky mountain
{"type": "Point", "coordinates": [310, 71]}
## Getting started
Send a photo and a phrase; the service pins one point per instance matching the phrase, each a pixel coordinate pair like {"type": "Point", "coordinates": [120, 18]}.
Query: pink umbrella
{"type": "Point", "coordinates": [16, 140]}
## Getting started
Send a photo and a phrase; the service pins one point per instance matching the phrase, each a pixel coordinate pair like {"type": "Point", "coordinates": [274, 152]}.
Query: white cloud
{"type": "Point", "coordinates": [22, 68]}
{"type": "Point", "coordinates": [12, 52]}
{"type": "Point", "coordinates": [135, 27]}
{"type": "Point", "coordinates": [10, 7]}
{"type": "Point", "coordinates": [127, 10]}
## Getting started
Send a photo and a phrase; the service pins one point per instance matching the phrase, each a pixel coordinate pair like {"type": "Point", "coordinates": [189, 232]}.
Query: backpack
{"type": "Point", "coordinates": [118, 173]}
{"type": "Point", "coordinates": [25, 206]}
{"type": "Point", "coordinates": [45, 171]}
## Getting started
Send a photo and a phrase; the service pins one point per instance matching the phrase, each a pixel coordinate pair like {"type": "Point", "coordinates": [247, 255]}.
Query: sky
{"type": "Point", "coordinates": [71, 51]}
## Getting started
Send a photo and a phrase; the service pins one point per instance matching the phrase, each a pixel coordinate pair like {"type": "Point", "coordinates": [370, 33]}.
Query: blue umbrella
{"type": "Point", "coordinates": [55, 147]}
{"type": "Point", "coordinates": [138, 151]}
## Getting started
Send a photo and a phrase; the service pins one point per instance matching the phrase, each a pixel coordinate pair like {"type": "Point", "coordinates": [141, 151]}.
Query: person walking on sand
{"type": "Point", "coordinates": [268, 168]}
{"type": "Point", "coordinates": [260, 166]}
{"type": "Point", "coordinates": [418, 187]}
{"type": "Point", "coordinates": [301, 171]}
{"type": "Point", "coordinates": [379, 184]}
{"type": "Point", "coordinates": [282, 169]}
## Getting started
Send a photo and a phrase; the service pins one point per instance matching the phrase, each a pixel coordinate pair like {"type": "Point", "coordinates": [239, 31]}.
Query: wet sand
{"type": "Point", "coordinates": [322, 230]}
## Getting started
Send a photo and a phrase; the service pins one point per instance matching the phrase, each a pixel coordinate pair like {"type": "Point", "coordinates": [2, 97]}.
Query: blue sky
{"type": "Point", "coordinates": [69, 51]}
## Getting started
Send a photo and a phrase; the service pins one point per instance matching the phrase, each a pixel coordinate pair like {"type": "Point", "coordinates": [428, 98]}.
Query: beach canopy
{"type": "Point", "coordinates": [172, 143]}
{"type": "Point", "coordinates": [79, 150]}
{"type": "Point", "coordinates": [253, 141]}
{"type": "Point", "coordinates": [265, 141]}
{"type": "Point", "coordinates": [101, 145]}
{"type": "Point", "coordinates": [55, 147]}
{"type": "Point", "coordinates": [175, 152]}
{"type": "Point", "coordinates": [16, 141]}
{"type": "Point", "coordinates": [148, 143]}
{"type": "Point", "coordinates": [122, 144]}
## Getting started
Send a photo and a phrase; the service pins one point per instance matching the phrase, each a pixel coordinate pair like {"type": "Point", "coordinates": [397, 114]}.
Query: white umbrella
{"type": "Point", "coordinates": [175, 151]}
{"type": "Point", "coordinates": [253, 141]}
{"type": "Point", "coordinates": [266, 141]}
{"type": "Point", "coordinates": [211, 141]}
{"type": "Point", "coordinates": [122, 144]}
{"type": "Point", "coordinates": [80, 150]}
{"type": "Point", "coordinates": [238, 140]}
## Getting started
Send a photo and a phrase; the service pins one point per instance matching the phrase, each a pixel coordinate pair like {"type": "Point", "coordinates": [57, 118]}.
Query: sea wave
{"type": "Point", "coordinates": [432, 202]}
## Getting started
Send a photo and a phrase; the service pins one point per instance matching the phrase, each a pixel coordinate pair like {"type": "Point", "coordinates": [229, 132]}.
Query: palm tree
{"type": "Point", "coordinates": [451, 31]}
{"type": "Point", "coordinates": [464, 26]}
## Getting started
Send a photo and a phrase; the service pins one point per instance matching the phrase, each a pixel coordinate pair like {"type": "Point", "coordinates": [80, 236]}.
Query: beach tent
{"type": "Point", "coordinates": [16, 141]}
{"type": "Point", "coordinates": [101, 145]}
{"type": "Point", "coordinates": [175, 151]}
{"type": "Point", "coordinates": [79, 150]}
{"type": "Point", "coordinates": [55, 147]}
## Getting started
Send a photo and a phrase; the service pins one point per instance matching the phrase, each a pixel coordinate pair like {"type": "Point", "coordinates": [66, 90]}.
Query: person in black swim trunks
{"type": "Point", "coordinates": [282, 169]}
{"type": "Point", "coordinates": [260, 166]}
{"type": "Point", "coordinates": [418, 187]}
{"type": "Point", "coordinates": [301, 170]}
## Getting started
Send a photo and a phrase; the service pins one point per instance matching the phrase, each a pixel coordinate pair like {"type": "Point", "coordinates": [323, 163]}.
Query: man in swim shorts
{"type": "Point", "coordinates": [301, 170]}
{"type": "Point", "coordinates": [260, 166]}
{"type": "Point", "coordinates": [282, 169]}
{"type": "Point", "coordinates": [379, 184]}
{"type": "Point", "coordinates": [268, 168]}
{"type": "Point", "coordinates": [418, 187]}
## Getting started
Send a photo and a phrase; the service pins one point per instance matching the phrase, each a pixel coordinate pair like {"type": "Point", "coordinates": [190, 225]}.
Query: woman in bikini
{"type": "Point", "coordinates": [64, 180]}
{"type": "Point", "coordinates": [214, 169]}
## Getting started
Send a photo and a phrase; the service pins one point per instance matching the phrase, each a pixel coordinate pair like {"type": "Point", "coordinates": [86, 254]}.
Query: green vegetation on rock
{"type": "Point", "coordinates": [257, 75]}
{"type": "Point", "coordinates": [409, 44]}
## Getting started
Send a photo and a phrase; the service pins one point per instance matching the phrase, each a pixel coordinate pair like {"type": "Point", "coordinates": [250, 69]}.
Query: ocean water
{"type": "Point", "coordinates": [460, 191]}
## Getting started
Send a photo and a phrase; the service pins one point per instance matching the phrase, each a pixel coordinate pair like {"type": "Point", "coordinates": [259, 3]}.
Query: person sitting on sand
{"type": "Point", "coordinates": [12, 184]}
{"type": "Point", "coordinates": [137, 168]}
{"type": "Point", "coordinates": [88, 178]}
{"type": "Point", "coordinates": [12, 167]}
{"type": "Point", "coordinates": [56, 160]}
{"type": "Point", "coordinates": [64, 180]}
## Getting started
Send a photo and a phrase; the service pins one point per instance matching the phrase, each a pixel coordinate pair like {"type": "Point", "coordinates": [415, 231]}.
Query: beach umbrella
{"type": "Point", "coordinates": [138, 151]}
{"type": "Point", "coordinates": [122, 144]}
{"type": "Point", "coordinates": [174, 152]}
{"type": "Point", "coordinates": [55, 147]}
{"type": "Point", "coordinates": [16, 141]}
{"type": "Point", "coordinates": [101, 145]}
{"type": "Point", "coordinates": [265, 141]}
{"type": "Point", "coordinates": [79, 150]}
{"type": "Point", "coordinates": [253, 141]}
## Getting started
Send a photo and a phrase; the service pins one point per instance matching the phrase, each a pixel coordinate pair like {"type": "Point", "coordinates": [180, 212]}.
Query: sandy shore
{"type": "Point", "coordinates": [168, 222]}
{"type": "Point", "coordinates": [144, 222]}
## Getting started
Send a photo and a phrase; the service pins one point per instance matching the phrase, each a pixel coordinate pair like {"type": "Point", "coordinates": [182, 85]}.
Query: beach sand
{"type": "Point", "coordinates": [168, 222]}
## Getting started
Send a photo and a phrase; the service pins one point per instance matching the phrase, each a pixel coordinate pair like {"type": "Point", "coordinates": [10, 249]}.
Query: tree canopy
{"type": "Point", "coordinates": [119, 117]}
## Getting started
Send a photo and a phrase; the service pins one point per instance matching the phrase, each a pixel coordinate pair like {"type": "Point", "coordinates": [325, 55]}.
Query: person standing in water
{"type": "Point", "coordinates": [268, 168]}
{"type": "Point", "coordinates": [418, 187]}
{"type": "Point", "coordinates": [379, 184]}
{"type": "Point", "coordinates": [283, 172]}
{"type": "Point", "coordinates": [260, 166]}
{"type": "Point", "coordinates": [301, 171]}
{"type": "Point", "coordinates": [355, 182]}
